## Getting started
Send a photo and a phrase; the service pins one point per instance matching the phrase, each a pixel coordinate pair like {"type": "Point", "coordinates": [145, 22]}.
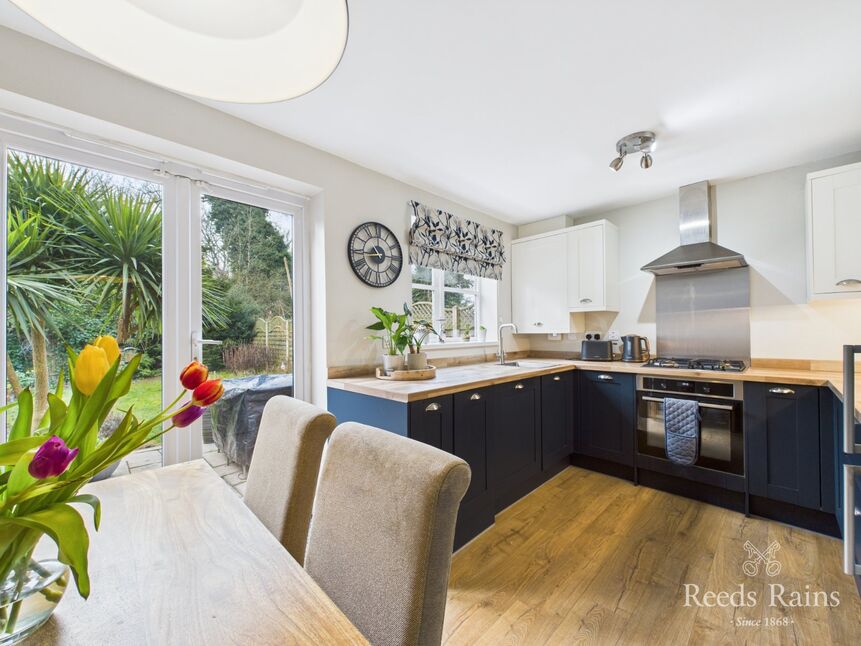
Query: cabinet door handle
{"type": "Point", "coordinates": [781, 391]}
{"type": "Point", "coordinates": [538, 324]}
{"type": "Point", "coordinates": [518, 387]}
{"type": "Point", "coordinates": [475, 397]}
{"type": "Point", "coordinates": [605, 377]}
{"type": "Point", "coordinates": [848, 281]}
{"type": "Point", "coordinates": [585, 300]}
{"type": "Point", "coordinates": [557, 378]}
{"type": "Point", "coordinates": [430, 408]}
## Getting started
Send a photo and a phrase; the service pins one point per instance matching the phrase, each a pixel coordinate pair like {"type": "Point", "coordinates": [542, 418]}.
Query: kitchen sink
{"type": "Point", "coordinates": [531, 363]}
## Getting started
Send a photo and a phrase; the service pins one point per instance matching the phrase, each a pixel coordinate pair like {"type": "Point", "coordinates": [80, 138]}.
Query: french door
{"type": "Point", "coordinates": [176, 262]}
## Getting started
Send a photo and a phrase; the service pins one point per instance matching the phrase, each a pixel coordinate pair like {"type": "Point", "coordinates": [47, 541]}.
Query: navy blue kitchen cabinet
{"type": "Point", "coordinates": [557, 421]}
{"type": "Point", "coordinates": [782, 431]}
{"type": "Point", "coordinates": [607, 410]}
{"type": "Point", "coordinates": [514, 440]}
{"type": "Point", "coordinates": [431, 421]}
{"type": "Point", "coordinates": [471, 412]}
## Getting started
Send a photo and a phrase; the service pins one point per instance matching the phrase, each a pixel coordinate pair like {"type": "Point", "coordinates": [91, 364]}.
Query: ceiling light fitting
{"type": "Point", "coordinates": [637, 142]}
{"type": "Point", "coordinates": [241, 51]}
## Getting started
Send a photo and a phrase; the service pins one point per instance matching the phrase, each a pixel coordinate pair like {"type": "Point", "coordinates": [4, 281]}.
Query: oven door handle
{"type": "Point", "coordinates": [700, 404]}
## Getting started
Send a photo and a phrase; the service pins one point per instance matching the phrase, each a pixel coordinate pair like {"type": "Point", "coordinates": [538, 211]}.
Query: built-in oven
{"type": "Point", "coordinates": [721, 446]}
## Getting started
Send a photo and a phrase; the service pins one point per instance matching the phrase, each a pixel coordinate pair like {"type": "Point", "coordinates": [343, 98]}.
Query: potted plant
{"type": "Point", "coordinates": [466, 332]}
{"type": "Point", "coordinates": [395, 337]}
{"type": "Point", "coordinates": [47, 461]}
{"type": "Point", "coordinates": [419, 331]}
{"type": "Point", "coordinates": [482, 333]}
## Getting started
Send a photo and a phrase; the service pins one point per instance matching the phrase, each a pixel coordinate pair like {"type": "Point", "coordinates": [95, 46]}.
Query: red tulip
{"type": "Point", "coordinates": [52, 458]}
{"type": "Point", "coordinates": [187, 417]}
{"type": "Point", "coordinates": [207, 393]}
{"type": "Point", "coordinates": [193, 375]}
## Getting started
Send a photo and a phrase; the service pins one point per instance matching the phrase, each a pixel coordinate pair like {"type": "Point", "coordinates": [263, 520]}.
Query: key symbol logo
{"type": "Point", "coordinates": [755, 557]}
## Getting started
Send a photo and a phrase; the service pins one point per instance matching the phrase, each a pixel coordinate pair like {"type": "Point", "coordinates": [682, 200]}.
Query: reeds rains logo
{"type": "Point", "coordinates": [776, 594]}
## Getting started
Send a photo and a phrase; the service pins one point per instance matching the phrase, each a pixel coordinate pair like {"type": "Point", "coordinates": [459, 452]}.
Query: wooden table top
{"type": "Point", "coordinates": [181, 560]}
{"type": "Point", "coordinates": [479, 375]}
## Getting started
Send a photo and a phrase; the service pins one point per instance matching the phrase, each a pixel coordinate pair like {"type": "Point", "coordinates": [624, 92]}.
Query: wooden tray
{"type": "Point", "coordinates": [407, 375]}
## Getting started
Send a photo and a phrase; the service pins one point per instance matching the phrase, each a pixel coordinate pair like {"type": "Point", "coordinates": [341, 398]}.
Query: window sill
{"type": "Point", "coordinates": [457, 345]}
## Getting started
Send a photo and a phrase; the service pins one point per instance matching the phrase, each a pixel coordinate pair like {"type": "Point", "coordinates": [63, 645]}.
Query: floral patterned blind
{"type": "Point", "coordinates": [440, 240]}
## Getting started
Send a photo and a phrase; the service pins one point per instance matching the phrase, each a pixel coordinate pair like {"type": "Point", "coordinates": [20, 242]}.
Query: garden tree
{"type": "Point", "coordinates": [39, 263]}
{"type": "Point", "coordinates": [249, 245]}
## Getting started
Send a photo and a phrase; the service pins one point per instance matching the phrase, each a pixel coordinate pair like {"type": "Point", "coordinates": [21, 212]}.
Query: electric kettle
{"type": "Point", "coordinates": [635, 349]}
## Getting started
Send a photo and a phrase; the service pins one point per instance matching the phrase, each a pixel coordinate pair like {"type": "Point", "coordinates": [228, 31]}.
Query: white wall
{"type": "Point", "coordinates": [762, 217]}
{"type": "Point", "coordinates": [344, 194]}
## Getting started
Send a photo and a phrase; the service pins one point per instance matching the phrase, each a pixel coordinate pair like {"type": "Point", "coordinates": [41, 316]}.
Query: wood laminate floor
{"type": "Point", "coordinates": [591, 559]}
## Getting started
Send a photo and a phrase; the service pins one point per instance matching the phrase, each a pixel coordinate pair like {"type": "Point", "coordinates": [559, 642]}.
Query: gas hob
{"type": "Point", "coordinates": [715, 365]}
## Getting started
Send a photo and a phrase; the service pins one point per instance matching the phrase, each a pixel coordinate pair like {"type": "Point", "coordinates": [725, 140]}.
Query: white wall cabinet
{"type": "Point", "coordinates": [834, 233]}
{"type": "Point", "coordinates": [573, 270]}
{"type": "Point", "coordinates": [593, 267]}
{"type": "Point", "coordinates": [538, 297]}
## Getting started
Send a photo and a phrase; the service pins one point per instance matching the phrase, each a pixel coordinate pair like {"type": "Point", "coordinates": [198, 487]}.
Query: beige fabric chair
{"type": "Point", "coordinates": [282, 476]}
{"type": "Point", "coordinates": [382, 532]}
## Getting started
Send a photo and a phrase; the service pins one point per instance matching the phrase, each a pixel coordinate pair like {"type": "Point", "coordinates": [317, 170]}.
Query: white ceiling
{"type": "Point", "coordinates": [515, 107]}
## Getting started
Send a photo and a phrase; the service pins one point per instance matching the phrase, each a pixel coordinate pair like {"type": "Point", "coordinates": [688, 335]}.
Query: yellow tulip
{"type": "Point", "coordinates": [110, 346]}
{"type": "Point", "coordinates": [92, 365]}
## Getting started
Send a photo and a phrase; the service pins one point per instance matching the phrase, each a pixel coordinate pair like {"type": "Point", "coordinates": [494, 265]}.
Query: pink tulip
{"type": "Point", "coordinates": [187, 417]}
{"type": "Point", "coordinates": [51, 459]}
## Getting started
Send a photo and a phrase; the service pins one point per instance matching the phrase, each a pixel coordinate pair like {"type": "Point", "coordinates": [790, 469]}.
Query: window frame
{"type": "Point", "coordinates": [438, 290]}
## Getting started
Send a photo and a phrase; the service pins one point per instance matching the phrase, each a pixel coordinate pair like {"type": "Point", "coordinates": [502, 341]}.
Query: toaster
{"type": "Point", "coordinates": [591, 350]}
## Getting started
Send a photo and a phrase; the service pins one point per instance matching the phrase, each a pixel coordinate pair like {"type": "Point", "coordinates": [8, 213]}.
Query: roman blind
{"type": "Point", "coordinates": [440, 240]}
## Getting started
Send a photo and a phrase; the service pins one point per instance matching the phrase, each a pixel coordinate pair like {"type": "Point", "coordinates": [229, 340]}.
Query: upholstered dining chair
{"type": "Point", "coordinates": [382, 532]}
{"type": "Point", "coordinates": [282, 476]}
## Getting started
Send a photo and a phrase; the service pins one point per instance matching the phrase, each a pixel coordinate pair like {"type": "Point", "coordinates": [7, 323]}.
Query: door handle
{"type": "Point", "coordinates": [657, 400]}
{"type": "Point", "coordinates": [557, 378]}
{"type": "Point", "coordinates": [197, 343]}
{"type": "Point", "coordinates": [605, 377]}
{"type": "Point", "coordinates": [848, 281]}
{"type": "Point", "coordinates": [518, 387]}
{"type": "Point", "coordinates": [430, 408]}
{"type": "Point", "coordinates": [475, 397]}
{"type": "Point", "coordinates": [781, 391]}
{"type": "Point", "coordinates": [538, 324]}
{"type": "Point", "coordinates": [585, 300]}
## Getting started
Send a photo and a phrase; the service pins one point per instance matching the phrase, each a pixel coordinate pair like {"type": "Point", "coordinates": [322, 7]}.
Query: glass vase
{"type": "Point", "coordinates": [28, 596]}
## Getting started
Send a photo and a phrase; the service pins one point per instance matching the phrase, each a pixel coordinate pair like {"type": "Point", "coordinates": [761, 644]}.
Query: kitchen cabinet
{"type": "Point", "coordinates": [833, 231]}
{"type": "Point", "coordinates": [514, 440]}
{"type": "Point", "coordinates": [431, 421]}
{"type": "Point", "coordinates": [471, 410]}
{"type": "Point", "coordinates": [783, 443]}
{"type": "Point", "coordinates": [593, 267]}
{"type": "Point", "coordinates": [557, 425]}
{"type": "Point", "coordinates": [606, 427]}
{"type": "Point", "coordinates": [556, 277]}
{"type": "Point", "coordinates": [538, 269]}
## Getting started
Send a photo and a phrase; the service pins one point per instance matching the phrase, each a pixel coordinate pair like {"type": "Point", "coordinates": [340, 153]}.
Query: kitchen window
{"type": "Point", "coordinates": [458, 305]}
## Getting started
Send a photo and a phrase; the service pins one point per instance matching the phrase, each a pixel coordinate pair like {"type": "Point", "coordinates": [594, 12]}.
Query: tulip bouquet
{"type": "Point", "coordinates": [44, 463]}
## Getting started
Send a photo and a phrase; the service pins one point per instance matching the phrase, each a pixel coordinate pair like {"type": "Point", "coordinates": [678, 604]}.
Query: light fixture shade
{"type": "Point", "coordinates": [242, 51]}
{"type": "Point", "coordinates": [646, 161]}
{"type": "Point", "coordinates": [616, 164]}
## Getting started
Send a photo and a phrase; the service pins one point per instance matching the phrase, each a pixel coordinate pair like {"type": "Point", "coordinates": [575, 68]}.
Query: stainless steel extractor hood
{"type": "Point", "coordinates": [697, 252]}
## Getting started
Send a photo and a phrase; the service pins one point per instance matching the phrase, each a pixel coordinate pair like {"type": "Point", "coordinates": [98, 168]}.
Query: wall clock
{"type": "Point", "coordinates": [375, 254]}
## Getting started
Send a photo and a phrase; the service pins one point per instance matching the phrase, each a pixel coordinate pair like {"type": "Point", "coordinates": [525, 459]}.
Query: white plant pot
{"type": "Point", "coordinates": [417, 361]}
{"type": "Point", "coordinates": [393, 362]}
{"type": "Point", "coordinates": [482, 335]}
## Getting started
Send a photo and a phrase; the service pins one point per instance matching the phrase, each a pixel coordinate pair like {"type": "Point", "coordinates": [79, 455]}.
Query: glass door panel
{"type": "Point", "coordinates": [83, 259]}
{"type": "Point", "coordinates": [247, 292]}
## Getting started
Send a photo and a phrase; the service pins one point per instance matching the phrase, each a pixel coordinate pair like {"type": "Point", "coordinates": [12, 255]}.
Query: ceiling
{"type": "Point", "coordinates": [515, 107]}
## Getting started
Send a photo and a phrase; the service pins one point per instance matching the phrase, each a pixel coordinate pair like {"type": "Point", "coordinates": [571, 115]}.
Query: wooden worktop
{"type": "Point", "coordinates": [180, 560]}
{"type": "Point", "coordinates": [460, 378]}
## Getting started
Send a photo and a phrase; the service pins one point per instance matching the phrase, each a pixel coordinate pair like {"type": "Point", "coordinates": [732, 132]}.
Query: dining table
{"type": "Point", "coordinates": [179, 559]}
